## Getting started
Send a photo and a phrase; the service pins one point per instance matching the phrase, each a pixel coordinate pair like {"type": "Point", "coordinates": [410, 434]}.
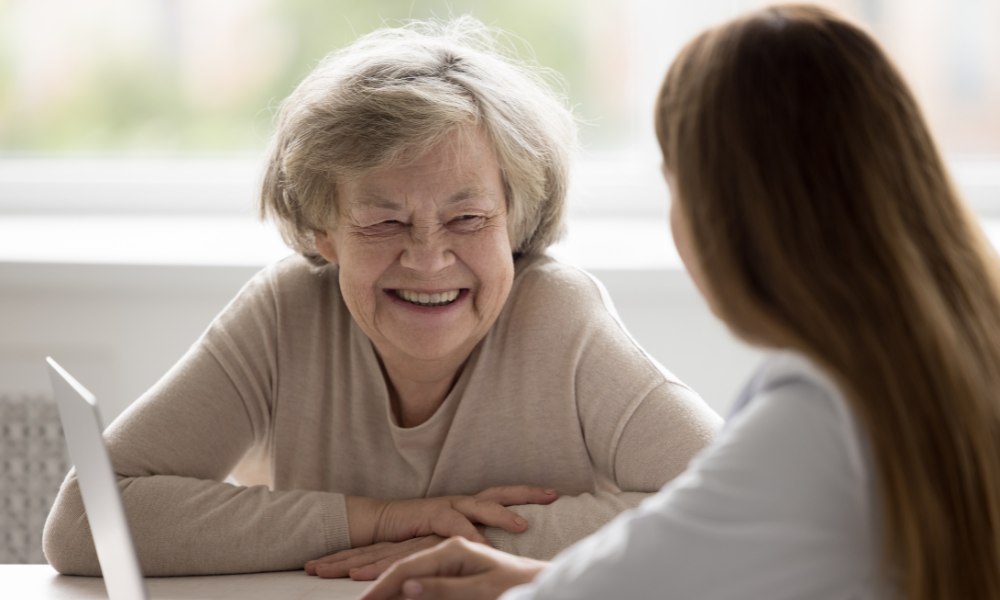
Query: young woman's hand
{"type": "Point", "coordinates": [455, 568]}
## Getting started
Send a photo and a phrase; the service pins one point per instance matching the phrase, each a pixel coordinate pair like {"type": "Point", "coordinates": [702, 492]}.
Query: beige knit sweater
{"type": "Point", "coordinates": [285, 393]}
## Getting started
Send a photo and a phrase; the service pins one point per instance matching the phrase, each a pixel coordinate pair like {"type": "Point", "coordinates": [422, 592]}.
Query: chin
{"type": "Point", "coordinates": [431, 352]}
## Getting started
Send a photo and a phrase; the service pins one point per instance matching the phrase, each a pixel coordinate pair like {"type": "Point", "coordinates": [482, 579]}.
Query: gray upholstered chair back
{"type": "Point", "coordinates": [33, 463]}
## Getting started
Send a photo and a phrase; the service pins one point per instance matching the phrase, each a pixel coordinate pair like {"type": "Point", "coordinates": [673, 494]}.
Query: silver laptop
{"type": "Point", "coordinates": [108, 525]}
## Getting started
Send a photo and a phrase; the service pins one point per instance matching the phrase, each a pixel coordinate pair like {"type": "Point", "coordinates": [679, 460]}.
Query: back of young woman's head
{"type": "Point", "coordinates": [823, 220]}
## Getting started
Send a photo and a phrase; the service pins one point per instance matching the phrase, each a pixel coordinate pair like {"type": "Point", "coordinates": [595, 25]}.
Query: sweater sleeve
{"type": "Point", "coordinates": [173, 450]}
{"type": "Point", "coordinates": [662, 434]}
{"type": "Point", "coordinates": [641, 426]}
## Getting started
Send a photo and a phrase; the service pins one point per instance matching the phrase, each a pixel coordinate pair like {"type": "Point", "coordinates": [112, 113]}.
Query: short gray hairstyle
{"type": "Point", "coordinates": [397, 91]}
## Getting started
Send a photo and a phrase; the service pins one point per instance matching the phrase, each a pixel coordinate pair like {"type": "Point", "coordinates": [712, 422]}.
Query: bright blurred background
{"type": "Point", "coordinates": [131, 143]}
{"type": "Point", "coordinates": [202, 78]}
{"type": "Point", "coordinates": [132, 135]}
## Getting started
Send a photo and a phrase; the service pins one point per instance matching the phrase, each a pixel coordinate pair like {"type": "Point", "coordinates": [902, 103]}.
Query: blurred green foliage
{"type": "Point", "coordinates": [140, 102]}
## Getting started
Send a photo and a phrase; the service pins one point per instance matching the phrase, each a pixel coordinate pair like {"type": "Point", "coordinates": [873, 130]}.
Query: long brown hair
{"type": "Point", "coordinates": [824, 220]}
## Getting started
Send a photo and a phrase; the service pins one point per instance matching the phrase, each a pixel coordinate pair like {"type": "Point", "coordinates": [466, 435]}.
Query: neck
{"type": "Point", "coordinates": [417, 390]}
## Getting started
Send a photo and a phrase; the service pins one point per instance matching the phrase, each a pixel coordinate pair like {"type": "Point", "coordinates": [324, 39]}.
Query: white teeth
{"type": "Point", "coordinates": [423, 299]}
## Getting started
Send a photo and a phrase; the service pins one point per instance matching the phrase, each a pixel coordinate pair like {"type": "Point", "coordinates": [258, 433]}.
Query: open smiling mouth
{"type": "Point", "coordinates": [424, 299]}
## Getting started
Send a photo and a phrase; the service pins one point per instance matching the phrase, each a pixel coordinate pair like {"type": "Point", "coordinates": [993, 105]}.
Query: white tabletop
{"type": "Point", "coordinates": [41, 582]}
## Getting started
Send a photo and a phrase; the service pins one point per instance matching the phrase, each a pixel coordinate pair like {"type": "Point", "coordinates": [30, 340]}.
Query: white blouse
{"type": "Point", "coordinates": [781, 505]}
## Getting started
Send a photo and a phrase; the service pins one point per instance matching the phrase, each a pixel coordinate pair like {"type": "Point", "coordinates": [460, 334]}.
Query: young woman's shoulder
{"type": "Point", "coordinates": [792, 404]}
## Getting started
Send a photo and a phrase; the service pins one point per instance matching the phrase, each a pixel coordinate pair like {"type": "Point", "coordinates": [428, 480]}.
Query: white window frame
{"type": "Point", "coordinates": [626, 185]}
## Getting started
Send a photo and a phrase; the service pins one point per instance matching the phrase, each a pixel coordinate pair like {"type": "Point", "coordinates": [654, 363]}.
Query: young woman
{"type": "Point", "coordinates": [814, 212]}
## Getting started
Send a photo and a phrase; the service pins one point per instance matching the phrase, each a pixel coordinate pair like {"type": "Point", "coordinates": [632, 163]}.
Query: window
{"type": "Point", "coordinates": [120, 91]}
{"type": "Point", "coordinates": [192, 76]}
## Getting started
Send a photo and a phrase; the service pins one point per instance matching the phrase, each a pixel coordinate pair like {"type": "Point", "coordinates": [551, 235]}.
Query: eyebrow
{"type": "Point", "coordinates": [371, 199]}
{"type": "Point", "coordinates": [376, 200]}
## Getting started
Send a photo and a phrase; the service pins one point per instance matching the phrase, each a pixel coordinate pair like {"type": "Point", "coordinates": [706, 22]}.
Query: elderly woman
{"type": "Point", "coordinates": [421, 369]}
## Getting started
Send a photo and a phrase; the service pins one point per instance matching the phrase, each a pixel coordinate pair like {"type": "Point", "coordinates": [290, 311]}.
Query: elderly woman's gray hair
{"type": "Point", "coordinates": [395, 92]}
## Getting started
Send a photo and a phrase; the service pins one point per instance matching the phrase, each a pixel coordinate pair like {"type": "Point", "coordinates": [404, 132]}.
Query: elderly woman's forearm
{"type": "Point", "coordinates": [224, 528]}
{"type": "Point", "coordinates": [554, 527]}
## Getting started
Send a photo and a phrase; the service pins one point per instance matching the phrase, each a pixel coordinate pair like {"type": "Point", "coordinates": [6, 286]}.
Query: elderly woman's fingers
{"type": "Point", "coordinates": [489, 513]}
{"type": "Point", "coordinates": [365, 564]}
{"type": "Point", "coordinates": [462, 515]}
{"type": "Point", "coordinates": [512, 495]}
{"type": "Point", "coordinates": [413, 525]}
{"type": "Point", "coordinates": [372, 570]}
{"type": "Point", "coordinates": [341, 564]}
{"type": "Point", "coordinates": [353, 555]}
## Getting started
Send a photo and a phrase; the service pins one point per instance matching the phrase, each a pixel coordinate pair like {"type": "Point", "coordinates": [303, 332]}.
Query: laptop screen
{"type": "Point", "coordinates": [98, 486]}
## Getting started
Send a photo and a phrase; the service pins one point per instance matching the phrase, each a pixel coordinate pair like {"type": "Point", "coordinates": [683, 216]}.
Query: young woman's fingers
{"type": "Point", "coordinates": [451, 558]}
{"type": "Point", "coordinates": [474, 572]}
{"type": "Point", "coordinates": [477, 587]}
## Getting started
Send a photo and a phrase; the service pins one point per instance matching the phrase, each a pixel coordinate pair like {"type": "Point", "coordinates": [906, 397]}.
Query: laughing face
{"type": "Point", "coordinates": [423, 250]}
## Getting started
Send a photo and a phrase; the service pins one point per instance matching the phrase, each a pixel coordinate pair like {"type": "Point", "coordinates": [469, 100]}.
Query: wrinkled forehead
{"type": "Point", "coordinates": [457, 168]}
{"type": "Point", "coordinates": [372, 198]}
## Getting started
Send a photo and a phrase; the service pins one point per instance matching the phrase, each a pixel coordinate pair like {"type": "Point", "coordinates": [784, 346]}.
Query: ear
{"type": "Point", "coordinates": [326, 245]}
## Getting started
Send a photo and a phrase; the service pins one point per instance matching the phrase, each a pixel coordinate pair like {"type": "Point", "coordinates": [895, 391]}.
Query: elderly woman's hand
{"type": "Point", "coordinates": [368, 562]}
{"type": "Point", "coordinates": [377, 525]}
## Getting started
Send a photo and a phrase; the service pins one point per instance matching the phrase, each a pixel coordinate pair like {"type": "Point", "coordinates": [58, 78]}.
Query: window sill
{"type": "Point", "coordinates": [170, 250]}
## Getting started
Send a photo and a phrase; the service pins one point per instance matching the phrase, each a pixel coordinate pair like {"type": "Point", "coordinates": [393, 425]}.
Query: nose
{"type": "Point", "coordinates": [427, 250]}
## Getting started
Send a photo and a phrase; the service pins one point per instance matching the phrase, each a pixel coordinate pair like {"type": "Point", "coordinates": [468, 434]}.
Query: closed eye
{"type": "Point", "coordinates": [386, 227]}
{"type": "Point", "coordinates": [467, 222]}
